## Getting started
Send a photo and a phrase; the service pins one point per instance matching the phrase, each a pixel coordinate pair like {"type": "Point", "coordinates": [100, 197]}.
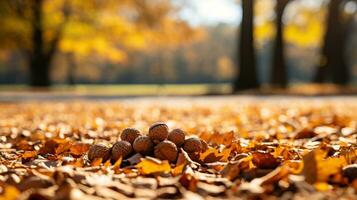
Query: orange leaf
{"type": "Point", "coordinates": [78, 163]}
{"type": "Point", "coordinates": [211, 155]}
{"type": "Point", "coordinates": [117, 164]}
{"type": "Point", "coordinates": [152, 166]}
{"type": "Point", "coordinates": [23, 145]}
{"type": "Point", "coordinates": [49, 147]}
{"type": "Point", "coordinates": [265, 160]}
{"type": "Point", "coordinates": [78, 149]}
{"type": "Point", "coordinates": [322, 186]}
{"type": "Point", "coordinates": [180, 165]}
{"type": "Point", "coordinates": [317, 168]}
{"type": "Point", "coordinates": [96, 162]}
{"type": "Point", "coordinates": [9, 193]}
{"type": "Point", "coordinates": [63, 147]}
{"type": "Point", "coordinates": [225, 138]}
{"type": "Point", "coordinates": [107, 163]}
{"type": "Point", "coordinates": [29, 154]}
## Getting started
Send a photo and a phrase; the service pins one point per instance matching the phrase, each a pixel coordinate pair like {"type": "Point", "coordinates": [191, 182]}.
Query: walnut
{"type": "Point", "coordinates": [350, 171]}
{"type": "Point", "coordinates": [129, 135]}
{"type": "Point", "coordinates": [195, 156]}
{"type": "Point", "coordinates": [192, 144]}
{"type": "Point", "coordinates": [98, 151]}
{"type": "Point", "coordinates": [121, 149]}
{"type": "Point", "coordinates": [143, 145]}
{"type": "Point", "coordinates": [158, 132]}
{"type": "Point", "coordinates": [204, 145]}
{"type": "Point", "coordinates": [177, 136]}
{"type": "Point", "coordinates": [166, 150]}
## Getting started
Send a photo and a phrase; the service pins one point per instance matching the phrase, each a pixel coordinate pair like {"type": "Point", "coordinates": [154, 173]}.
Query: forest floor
{"type": "Point", "coordinates": [249, 147]}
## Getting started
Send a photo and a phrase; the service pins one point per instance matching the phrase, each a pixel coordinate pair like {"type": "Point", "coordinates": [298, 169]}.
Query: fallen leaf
{"type": "Point", "coordinates": [96, 162]}
{"type": "Point", "coordinates": [322, 186]}
{"type": "Point", "coordinates": [265, 160]}
{"type": "Point", "coordinates": [78, 149]}
{"type": "Point", "coordinates": [150, 165]}
{"type": "Point", "coordinates": [9, 193]}
{"type": "Point", "coordinates": [116, 166]}
{"type": "Point", "coordinates": [29, 154]}
{"type": "Point", "coordinates": [317, 168]}
{"type": "Point", "coordinates": [63, 147]}
{"type": "Point", "coordinates": [49, 147]}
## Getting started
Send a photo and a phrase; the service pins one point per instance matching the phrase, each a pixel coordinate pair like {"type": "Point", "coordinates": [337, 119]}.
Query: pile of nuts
{"type": "Point", "coordinates": [159, 142]}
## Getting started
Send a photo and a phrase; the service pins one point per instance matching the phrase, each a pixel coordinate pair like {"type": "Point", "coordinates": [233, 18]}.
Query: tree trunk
{"type": "Point", "coordinates": [247, 73]}
{"type": "Point", "coordinates": [42, 52]}
{"type": "Point", "coordinates": [279, 71]}
{"type": "Point", "coordinates": [71, 68]}
{"type": "Point", "coordinates": [332, 66]}
{"type": "Point", "coordinates": [39, 72]}
{"type": "Point", "coordinates": [38, 61]}
{"type": "Point", "coordinates": [340, 73]}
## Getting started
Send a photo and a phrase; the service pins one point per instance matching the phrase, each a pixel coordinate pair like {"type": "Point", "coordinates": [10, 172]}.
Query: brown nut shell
{"type": "Point", "coordinates": [166, 150]}
{"type": "Point", "coordinates": [350, 171]}
{"type": "Point", "coordinates": [143, 145]}
{"type": "Point", "coordinates": [158, 132]}
{"type": "Point", "coordinates": [204, 145]}
{"type": "Point", "coordinates": [177, 136]}
{"type": "Point", "coordinates": [98, 151]}
{"type": "Point", "coordinates": [121, 149]}
{"type": "Point", "coordinates": [192, 144]}
{"type": "Point", "coordinates": [129, 135]}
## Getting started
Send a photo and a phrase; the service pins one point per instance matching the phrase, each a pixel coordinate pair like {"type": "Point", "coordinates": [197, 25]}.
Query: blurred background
{"type": "Point", "coordinates": [210, 46]}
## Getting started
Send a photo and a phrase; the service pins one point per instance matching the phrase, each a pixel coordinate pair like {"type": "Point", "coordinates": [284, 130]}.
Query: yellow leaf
{"type": "Point", "coordinates": [9, 193]}
{"type": "Point", "coordinates": [152, 166]}
{"type": "Point", "coordinates": [322, 186]}
{"type": "Point", "coordinates": [96, 162]}
{"type": "Point", "coordinates": [117, 164]}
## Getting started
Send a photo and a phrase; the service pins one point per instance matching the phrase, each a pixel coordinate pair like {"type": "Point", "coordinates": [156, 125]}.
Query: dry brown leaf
{"type": "Point", "coordinates": [78, 149]}
{"type": "Point", "coordinates": [63, 147]}
{"type": "Point", "coordinates": [265, 160]}
{"type": "Point", "coordinates": [49, 147]}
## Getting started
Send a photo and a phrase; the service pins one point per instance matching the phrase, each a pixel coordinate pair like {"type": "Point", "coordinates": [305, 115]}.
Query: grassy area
{"type": "Point", "coordinates": [128, 89]}
{"type": "Point", "coordinates": [179, 89]}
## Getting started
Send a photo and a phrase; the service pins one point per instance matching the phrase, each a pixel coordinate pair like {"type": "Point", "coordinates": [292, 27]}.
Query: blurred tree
{"type": "Point", "coordinates": [247, 73]}
{"type": "Point", "coordinates": [25, 22]}
{"type": "Point", "coordinates": [104, 30]}
{"type": "Point", "coordinates": [279, 71]}
{"type": "Point", "coordinates": [332, 65]}
{"type": "Point", "coordinates": [72, 66]}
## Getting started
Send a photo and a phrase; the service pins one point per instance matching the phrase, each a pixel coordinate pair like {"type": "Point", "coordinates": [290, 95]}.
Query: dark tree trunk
{"type": "Point", "coordinates": [340, 70]}
{"type": "Point", "coordinates": [332, 66]}
{"type": "Point", "coordinates": [71, 68]}
{"type": "Point", "coordinates": [42, 52]}
{"type": "Point", "coordinates": [247, 73]}
{"type": "Point", "coordinates": [279, 71]}
{"type": "Point", "coordinates": [38, 61]}
{"type": "Point", "coordinates": [39, 72]}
